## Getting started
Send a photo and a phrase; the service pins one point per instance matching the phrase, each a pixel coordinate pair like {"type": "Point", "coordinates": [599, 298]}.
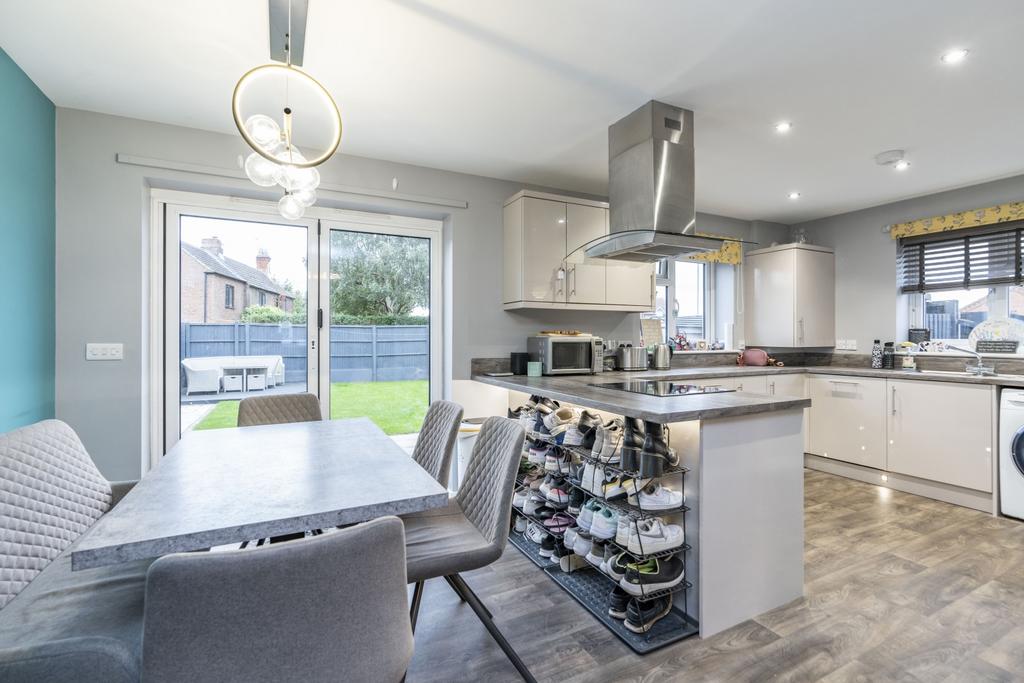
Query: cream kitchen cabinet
{"type": "Point", "coordinates": [941, 432]}
{"type": "Point", "coordinates": [545, 267]}
{"type": "Point", "coordinates": [846, 420]}
{"type": "Point", "coordinates": [786, 385]}
{"type": "Point", "coordinates": [789, 296]}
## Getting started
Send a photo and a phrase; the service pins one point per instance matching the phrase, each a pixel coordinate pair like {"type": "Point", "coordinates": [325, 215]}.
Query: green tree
{"type": "Point", "coordinates": [378, 275]}
{"type": "Point", "coordinates": [263, 314]}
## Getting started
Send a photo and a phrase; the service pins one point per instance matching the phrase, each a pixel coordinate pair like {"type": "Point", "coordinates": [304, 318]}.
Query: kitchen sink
{"type": "Point", "coordinates": [964, 373]}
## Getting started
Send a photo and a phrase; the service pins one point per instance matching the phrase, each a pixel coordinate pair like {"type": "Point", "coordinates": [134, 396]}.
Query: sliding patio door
{"type": "Point", "coordinates": [380, 356]}
{"type": "Point", "coordinates": [240, 299]}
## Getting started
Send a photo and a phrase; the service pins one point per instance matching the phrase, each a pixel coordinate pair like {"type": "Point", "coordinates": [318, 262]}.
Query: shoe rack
{"type": "Point", "coordinates": [589, 585]}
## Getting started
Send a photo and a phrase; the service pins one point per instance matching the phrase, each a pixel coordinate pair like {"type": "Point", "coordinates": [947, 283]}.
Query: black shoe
{"type": "Point", "coordinates": [618, 565]}
{"type": "Point", "coordinates": [587, 426]}
{"type": "Point", "coordinates": [576, 500]}
{"type": "Point", "coordinates": [641, 615]}
{"type": "Point", "coordinates": [632, 443]}
{"type": "Point", "coordinates": [655, 453]}
{"type": "Point", "coordinates": [547, 546]}
{"type": "Point", "coordinates": [559, 551]}
{"type": "Point", "coordinates": [653, 575]}
{"type": "Point", "coordinates": [618, 602]}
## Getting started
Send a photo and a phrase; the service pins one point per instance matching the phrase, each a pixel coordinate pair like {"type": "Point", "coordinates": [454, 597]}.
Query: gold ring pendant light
{"type": "Point", "coordinates": [275, 160]}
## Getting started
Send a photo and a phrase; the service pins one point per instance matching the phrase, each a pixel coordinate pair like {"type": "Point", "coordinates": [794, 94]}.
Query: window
{"type": "Point", "coordinates": [955, 283]}
{"type": "Point", "coordinates": [229, 296]}
{"type": "Point", "coordinates": [683, 299]}
{"type": "Point", "coordinates": [263, 298]}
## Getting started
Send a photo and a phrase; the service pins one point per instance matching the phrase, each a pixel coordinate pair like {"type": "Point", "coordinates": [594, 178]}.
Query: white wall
{"type": "Point", "coordinates": [102, 252]}
{"type": "Point", "coordinates": [868, 305]}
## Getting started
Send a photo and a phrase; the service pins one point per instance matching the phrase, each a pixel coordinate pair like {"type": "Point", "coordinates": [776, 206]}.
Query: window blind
{"type": "Point", "coordinates": [973, 259]}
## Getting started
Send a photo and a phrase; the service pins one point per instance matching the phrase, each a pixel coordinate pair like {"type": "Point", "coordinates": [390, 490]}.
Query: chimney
{"type": "Point", "coordinates": [262, 260]}
{"type": "Point", "coordinates": [213, 245]}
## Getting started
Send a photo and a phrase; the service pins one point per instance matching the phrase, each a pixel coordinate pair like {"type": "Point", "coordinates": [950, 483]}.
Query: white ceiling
{"type": "Point", "coordinates": [525, 90]}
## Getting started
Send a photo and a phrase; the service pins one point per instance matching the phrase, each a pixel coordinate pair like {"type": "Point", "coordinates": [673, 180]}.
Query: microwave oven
{"type": "Point", "coordinates": [567, 355]}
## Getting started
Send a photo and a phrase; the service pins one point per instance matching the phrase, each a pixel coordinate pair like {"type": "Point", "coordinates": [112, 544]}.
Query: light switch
{"type": "Point", "coordinates": [94, 351]}
{"type": "Point", "coordinates": [851, 344]}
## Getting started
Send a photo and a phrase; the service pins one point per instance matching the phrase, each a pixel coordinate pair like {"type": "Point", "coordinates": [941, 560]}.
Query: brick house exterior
{"type": "Point", "coordinates": [216, 289]}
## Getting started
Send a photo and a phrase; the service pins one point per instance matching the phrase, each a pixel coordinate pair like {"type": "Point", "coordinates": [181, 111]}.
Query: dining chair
{"type": "Point", "coordinates": [281, 409]}
{"type": "Point", "coordinates": [329, 608]}
{"type": "Point", "coordinates": [436, 441]}
{"type": "Point", "coordinates": [472, 530]}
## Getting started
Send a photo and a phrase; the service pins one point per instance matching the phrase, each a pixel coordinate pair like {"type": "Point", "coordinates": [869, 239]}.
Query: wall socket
{"type": "Point", "coordinates": [104, 351]}
{"type": "Point", "coordinates": [846, 344]}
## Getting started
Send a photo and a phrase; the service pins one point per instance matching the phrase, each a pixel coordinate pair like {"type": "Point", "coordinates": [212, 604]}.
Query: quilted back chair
{"type": "Point", "coordinates": [276, 410]}
{"type": "Point", "coordinates": [485, 495]}
{"type": "Point", "coordinates": [50, 493]}
{"type": "Point", "coordinates": [436, 441]}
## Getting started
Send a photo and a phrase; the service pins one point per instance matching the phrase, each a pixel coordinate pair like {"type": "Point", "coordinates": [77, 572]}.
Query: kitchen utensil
{"type": "Point", "coordinates": [518, 362]}
{"type": "Point", "coordinates": [661, 357]}
{"type": "Point", "coordinates": [631, 358]}
{"type": "Point", "coordinates": [533, 368]}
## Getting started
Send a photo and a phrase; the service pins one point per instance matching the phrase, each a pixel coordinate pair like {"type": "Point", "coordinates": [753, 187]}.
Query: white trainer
{"type": "Point", "coordinates": [654, 536]}
{"type": "Point", "coordinates": [657, 497]}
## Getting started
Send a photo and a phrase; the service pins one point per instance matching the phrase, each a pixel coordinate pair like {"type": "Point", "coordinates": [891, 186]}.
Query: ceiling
{"type": "Point", "coordinates": [525, 90]}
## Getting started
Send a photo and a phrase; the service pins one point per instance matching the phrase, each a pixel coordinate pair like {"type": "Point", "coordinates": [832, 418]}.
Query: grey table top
{"type": "Point", "coordinates": [230, 485]}
{"type": "Point", "coordinates": [578, 389]}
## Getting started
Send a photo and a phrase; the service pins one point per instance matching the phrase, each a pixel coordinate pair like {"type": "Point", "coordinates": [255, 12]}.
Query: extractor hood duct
{"type": "Point", "coordinates": [651, 187]}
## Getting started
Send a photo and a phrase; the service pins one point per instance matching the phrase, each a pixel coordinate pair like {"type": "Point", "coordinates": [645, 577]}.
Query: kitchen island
{"type": "Point", "coordinates": [743, 488]}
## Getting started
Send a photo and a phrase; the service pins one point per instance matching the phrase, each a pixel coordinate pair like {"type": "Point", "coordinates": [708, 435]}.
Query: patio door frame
{"type": "Point", "coordinates": [167, 207]}
{"type": "Point", "coordinates": [398, 226]}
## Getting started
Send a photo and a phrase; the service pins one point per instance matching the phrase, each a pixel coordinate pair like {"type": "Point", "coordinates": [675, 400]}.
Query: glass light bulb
{"type": "Point", "coordinates": [305, 197]}
{"type": "Point", "coordinates": [263, 129]}
{"type": "Point", "coordinates": [290, 207]}
{"type": "Point", "coordinates": [295, 178]}
{"type": "Point", "coordinates": [263, 172]}
{"type": "Point", "coordinates": [286, 154]}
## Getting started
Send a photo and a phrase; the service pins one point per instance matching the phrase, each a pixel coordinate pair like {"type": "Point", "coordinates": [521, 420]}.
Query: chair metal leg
{"type": "Point", "coordinates": [492, 628]}
{"type": "Point", "coordinates": [455, 588]}
{"type": "Point", "coordinates": [417, 597]}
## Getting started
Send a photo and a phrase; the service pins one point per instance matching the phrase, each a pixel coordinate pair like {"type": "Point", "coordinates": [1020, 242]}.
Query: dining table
{"type": "Point", "coordinates": [226, 486]}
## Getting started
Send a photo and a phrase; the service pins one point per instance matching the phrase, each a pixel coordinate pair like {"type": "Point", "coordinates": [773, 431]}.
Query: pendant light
{"type": "Point", "coordinates": [275, 160]}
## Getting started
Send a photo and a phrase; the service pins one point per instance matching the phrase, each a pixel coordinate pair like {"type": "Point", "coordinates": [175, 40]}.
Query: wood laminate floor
{"type": "Point", "coordinates": [897, 588]}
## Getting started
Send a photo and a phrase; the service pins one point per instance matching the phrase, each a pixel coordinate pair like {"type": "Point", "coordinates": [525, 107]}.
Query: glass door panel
{"type": "Point", "coordinates": [381, 297]}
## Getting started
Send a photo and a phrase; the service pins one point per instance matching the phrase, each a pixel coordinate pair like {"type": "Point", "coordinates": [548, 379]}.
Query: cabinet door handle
{"type": "Point", "coordinates": [773, 388]}
{"type": "Point", "coordinates": [801, 324]}
{"type": "Point", "coordinates": [894, 400]}
{"type": "Point", "coordinates": [572, 291]}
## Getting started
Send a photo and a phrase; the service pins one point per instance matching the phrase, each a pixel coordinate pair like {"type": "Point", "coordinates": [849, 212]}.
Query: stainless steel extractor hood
{"type": "Point", "coordinates": [651, 187]}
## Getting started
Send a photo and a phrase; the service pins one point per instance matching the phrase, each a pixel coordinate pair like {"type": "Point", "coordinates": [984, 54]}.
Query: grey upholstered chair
{"type": "Point", "coordinates": [281, 409]}
{"type": "Point", "coordinates": [328, 608]}
{"type": "Point", "coordinates": [472, 531]}
{"type": "Point", "coordinates": [436, 442]}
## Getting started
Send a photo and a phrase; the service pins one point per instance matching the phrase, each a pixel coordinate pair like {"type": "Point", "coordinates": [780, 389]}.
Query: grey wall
{"type": "Point", "coordinates": [868, 306]}
{"type": "Point", "coordinates": [103, 251]}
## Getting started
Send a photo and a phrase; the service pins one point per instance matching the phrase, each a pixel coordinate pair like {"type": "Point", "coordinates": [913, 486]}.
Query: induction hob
{"type": "Point", "coordinates": [661, 387]}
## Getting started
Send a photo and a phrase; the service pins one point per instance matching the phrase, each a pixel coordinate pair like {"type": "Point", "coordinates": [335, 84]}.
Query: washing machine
{"type": "Point", "coordinates": [1011, 453]}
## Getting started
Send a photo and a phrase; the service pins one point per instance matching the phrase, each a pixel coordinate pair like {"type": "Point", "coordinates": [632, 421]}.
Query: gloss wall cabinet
{"type": "Point", "coordinates": [789, 296]}
{"type": "Point", "coordinates": [544, 264]}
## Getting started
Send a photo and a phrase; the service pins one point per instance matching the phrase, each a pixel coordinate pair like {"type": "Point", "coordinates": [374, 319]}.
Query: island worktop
{"type": "Point", "coordinates": [587, 390]}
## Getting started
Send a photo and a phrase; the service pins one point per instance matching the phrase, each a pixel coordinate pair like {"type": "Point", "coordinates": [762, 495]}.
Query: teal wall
{"type": "Point", "coordinates": [26, 249]}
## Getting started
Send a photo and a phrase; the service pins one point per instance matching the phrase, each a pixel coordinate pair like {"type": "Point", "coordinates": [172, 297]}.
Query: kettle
{"type": "Point", "coordinates": [661, 357]}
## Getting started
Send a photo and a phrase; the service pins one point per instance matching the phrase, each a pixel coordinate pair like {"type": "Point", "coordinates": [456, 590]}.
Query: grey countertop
{"type": "Point", "coordinates": [578, 389]}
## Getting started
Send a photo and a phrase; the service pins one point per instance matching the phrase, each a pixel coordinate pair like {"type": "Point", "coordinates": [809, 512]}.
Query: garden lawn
{"type": "Point", "coordinates": [396, 407]}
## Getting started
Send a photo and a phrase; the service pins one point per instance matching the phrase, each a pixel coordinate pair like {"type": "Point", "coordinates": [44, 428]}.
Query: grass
{"type": "Point", "coordinates": [396, 407]}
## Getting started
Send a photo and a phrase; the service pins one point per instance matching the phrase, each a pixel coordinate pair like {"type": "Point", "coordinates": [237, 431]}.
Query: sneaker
{"type": "Point", "coordinates": [626, 524]}
{"type": "Point", "coordinates": [587, 426]}
{"type": "Point", "coordinates": [576, 500]}
{"type": "Point", "coordinates": [569, 537]}
{"type": "Point", "coordinates": [597, 480]}
{"type": "Point", "coordinates": [571, 562]}
{"type": "Point", "coordinates": [610, 441]}
{"type": "Point", "coordinates": [534, 503]}
{"type": "Point", "coordinates": [573, 436]}
{"type": "Point", "coordinates": [547, 546]}
{"type": "Point", "coordinates": [559, 551]}
{"type": "Point", "coordinates": [582, 545]}
{"type": "Point", "coordinates": [657, 497]}
{"type": "Point", "coordinates": [587, 477]}
{"type": "Point", "coordinates": [565, 463]}
{"type": "Point", "coordinates": [520, 524]}
{"type": "Point", "coordinates": [618, 565]}
{"type": "Point", "coordinates": [653, 575]}
{"type": "Point", "coordinates": [618, 601]}
{"type": "Point", "coordinates": [538, 453]}
{"type": "Point", "coordinates": [596, 554]}
{"type": "Point", "coordinates": [642, 615]}
{"type": "Point", "coordinates": [607, 477]}
{"type": "Point", "coordinates": [519, 498]}
{"type": "Point", "coordinates": [586, 516]}
{"type": "Point", "coordinates": [526, 419]}
{"type": "Point", "coordinates": [622, 487]}
{"type": "Point", "coordinates": [576, 471]}
{"type": "Point", "coordinates": [605, 523]}
{"type": "Point", "coordinates": [545, 486]}
{"type": "Point", "coordinates": [654, 536]}
{"type": "Point", "coordinates": [558, 421]}
{"type": "Point", "coordinates": [534, 532]}
{"type": "Point", "coordinates": [557, 496]}
{"type": "Point", "coordinates": [551, 461]}
{"type": "Point", "coordinates": [610, 553]}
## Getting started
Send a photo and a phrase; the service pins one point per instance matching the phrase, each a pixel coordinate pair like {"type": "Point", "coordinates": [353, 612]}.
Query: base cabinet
{"type": "Point", "coordinates": [847, 419]}
{"type": "Point", "coordinates": [941, 432]}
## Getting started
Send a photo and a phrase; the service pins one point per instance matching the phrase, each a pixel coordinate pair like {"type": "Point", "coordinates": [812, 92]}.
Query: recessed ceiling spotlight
{"type": "Point", "coordinates": [901, 165]}
{"type": "Point", "coordinates": [794, 195]}
{"type": "Point", "coordinates": [783, 127]}
{"type": "Point", "coordinates": [894, 158]}
{"type": "Point", "coordinates": [954, 56]}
